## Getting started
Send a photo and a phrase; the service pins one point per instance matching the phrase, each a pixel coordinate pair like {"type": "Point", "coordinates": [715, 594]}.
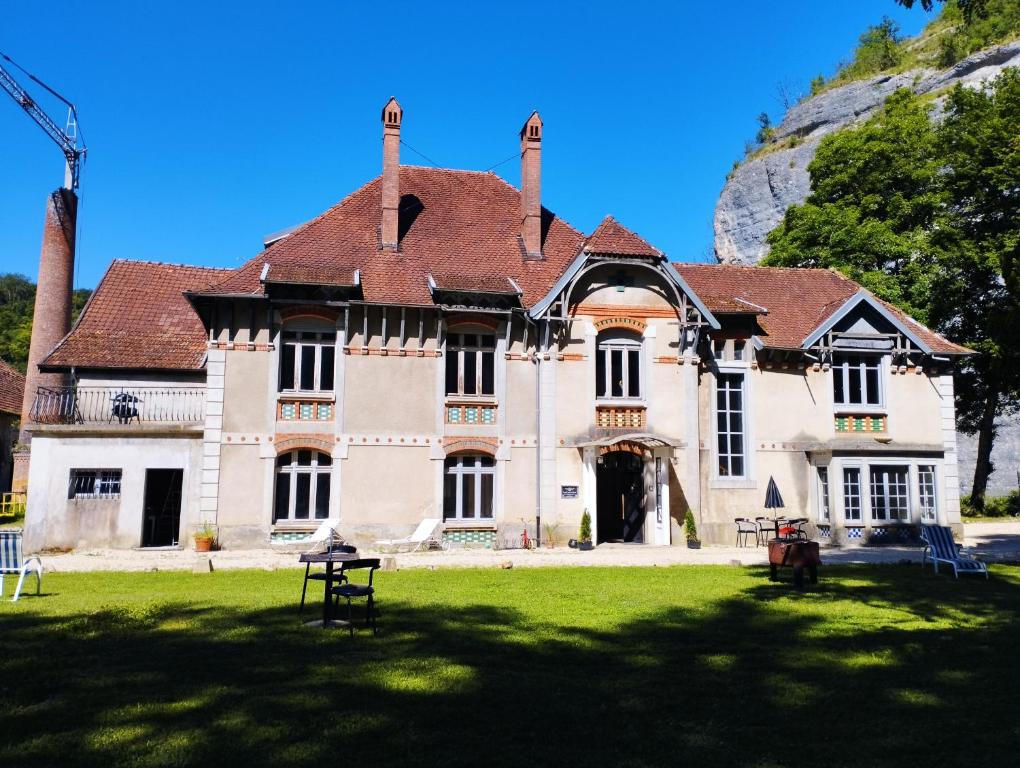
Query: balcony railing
{"type": "Point", "coordinates": [118, 405]}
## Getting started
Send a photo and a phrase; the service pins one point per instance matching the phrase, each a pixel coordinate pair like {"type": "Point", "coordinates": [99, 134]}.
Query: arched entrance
{"type": "Point", "coordinates": [619, 479]}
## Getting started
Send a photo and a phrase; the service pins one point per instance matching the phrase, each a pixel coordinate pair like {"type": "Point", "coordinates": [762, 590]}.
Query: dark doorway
{"type": "Point", "coordinates": [619, 486]}
{"type": "Point", "coordinates": [161, 523]}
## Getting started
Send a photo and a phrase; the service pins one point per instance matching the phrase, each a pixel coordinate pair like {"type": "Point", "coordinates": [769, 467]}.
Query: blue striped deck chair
{"type": "Point", "coordinates": [12, 561]}
{"type": "Point", "coordinates": [940, 548]}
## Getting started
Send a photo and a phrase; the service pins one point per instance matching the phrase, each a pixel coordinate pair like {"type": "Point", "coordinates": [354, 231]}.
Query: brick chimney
{"type": "Point", "coordinates": [392, 115]}
{"type": "Point", "coordinates": [531, 186]}
{"type": "Point", "coordinates": [51, 318]}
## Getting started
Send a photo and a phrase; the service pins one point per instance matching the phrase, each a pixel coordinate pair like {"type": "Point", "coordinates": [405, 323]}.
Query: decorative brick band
{"type": "Point", "coordinates": [616, 310]}
{"type": "Point", "coordinates": [669, 359]}
{"type": "Point", "coordinates": [315, 441]}
{"type": "Point", "coordinates": [627, 323]}
{"type": "Point", "coordinates": [486, 445]}
{"type": "Point", "coordinates": [620, 417]}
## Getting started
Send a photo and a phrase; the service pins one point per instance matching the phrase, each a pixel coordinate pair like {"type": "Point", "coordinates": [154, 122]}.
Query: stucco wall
{"type": "Point", "coordinates": [54, 521]}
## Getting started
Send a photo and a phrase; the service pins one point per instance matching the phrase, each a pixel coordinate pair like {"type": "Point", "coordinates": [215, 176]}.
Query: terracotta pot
{"type": "Point", "coordinates": [203, 544]}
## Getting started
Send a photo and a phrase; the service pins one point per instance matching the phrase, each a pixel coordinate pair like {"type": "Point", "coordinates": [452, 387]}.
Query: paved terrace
{"type": "Point", "coordinates": [993, 542]}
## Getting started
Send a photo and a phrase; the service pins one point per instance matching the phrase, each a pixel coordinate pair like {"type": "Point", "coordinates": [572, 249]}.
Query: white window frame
{"type": "Point", "coordinates": [719, 455]}
{"type": "Point", "coordinates": [928, 499]}
{"type": "Point", "coordinates": [290, 473]}
{"type": "Point", "coordinates": [103, 483]}
{"type": "Point", "coordinates": [846, 487]}
{"type": "Point", "coordinates": [623, 342]}
{"type": "Point", "coordinates": [842, 370]}
{"type": "Point", "coordinates": [460, 348]}
{"type": "Point", "coordinates": [458, 471]}
{"type": "Point", "coordinates": [824, 490]}
{"type": "Point", "coordinates": [321, 339]}
{"type": "Point", "coordinates": [886, 494]}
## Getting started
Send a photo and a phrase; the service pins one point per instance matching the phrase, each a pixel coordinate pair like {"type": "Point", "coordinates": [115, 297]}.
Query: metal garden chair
{"type": "Point", "coordinates": [354, 590]}
{"type": "Point", "coordinates": [745, 528]}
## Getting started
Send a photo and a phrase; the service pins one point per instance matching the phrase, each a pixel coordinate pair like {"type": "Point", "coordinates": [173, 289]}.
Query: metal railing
{"type": "Point", "coordinates": [118, 405]}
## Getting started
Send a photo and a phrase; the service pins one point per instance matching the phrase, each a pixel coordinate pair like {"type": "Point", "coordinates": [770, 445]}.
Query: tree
{"type": "Point", "coordinates": [17, 301]}
{"type": "Point", "coordinates": [924, 215]}
{"type": "Point", "coordinates": [970, 8]}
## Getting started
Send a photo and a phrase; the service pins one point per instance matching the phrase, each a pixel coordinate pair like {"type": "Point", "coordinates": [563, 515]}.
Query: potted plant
{"type": "Point", "coordinates": [584, 535]}
{"type": "Point", "coordinates": [204, 537]}
{"type": "Point", "coordinates": [691, 530]}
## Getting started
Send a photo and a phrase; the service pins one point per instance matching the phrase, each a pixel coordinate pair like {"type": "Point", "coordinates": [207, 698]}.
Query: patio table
{"type": "Point", "coordinates": [330, 559]}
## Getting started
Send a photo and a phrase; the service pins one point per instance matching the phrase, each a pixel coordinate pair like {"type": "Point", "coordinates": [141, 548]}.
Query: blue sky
{"type": "Point", "coordinates": [211, 124]}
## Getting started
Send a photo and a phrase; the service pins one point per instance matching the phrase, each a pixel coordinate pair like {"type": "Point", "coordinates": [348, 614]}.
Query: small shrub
{"type": "Point", "coordinates": [585, 532]}
{"type": "Point", "coordinates": [690, 527]}
{"type": "Point", "coordinates": [817, 85]}
{"type": "Point", "coordinates": [995, 506]}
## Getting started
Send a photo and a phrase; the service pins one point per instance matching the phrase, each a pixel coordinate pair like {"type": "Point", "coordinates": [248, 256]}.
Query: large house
{"type": "Point", "coordinates": [438, 344]}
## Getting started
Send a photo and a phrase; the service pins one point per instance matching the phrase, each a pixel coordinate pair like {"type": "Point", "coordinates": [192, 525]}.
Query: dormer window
{"type": "Point", "coordinates": [856, 380]}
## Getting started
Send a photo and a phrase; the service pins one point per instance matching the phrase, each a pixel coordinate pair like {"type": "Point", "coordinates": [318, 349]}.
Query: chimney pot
{"type": "Point", "coordinates": [392, 116]}
{"type": "Point", "coordinates": [531, 186]}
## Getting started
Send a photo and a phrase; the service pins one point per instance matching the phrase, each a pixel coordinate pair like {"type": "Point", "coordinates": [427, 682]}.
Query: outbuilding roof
{"type": "Point", "coordinates": [12, 389]}
{"type": "Point", "coordinates": [138, 318]}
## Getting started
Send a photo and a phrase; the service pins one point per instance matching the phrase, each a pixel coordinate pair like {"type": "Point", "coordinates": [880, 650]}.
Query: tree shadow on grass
{"type": "Point", "coordinates": [873, 666]}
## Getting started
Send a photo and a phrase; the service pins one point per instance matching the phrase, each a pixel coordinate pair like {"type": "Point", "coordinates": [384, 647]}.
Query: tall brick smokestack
{"type": "Point", "coordinates": [392, 115]}
{"type": "Point", "coordinates": [531, 186]}
{"type": "Point", "coordinates": [51, 319]}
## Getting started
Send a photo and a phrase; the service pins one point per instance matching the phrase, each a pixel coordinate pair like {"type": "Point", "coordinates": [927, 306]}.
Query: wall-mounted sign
{"type": "Point", "coordinates": [568, 491]}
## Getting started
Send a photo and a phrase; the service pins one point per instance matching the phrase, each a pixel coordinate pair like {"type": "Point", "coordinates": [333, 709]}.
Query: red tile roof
{"type": "Point", "coordinates": [797, 300]}
{"type": "Point", "coordinates": [612, 237]}
{"type": "Point", "coordinates": [12, 389]}
{"type": "Point", "coordinates": [138, 318]}
{"type": "Point", "coordinates": [462, 223]}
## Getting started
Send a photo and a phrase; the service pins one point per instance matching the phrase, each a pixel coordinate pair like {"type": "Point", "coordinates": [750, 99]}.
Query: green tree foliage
{"type": "Point", "coordinates": [877, 50]}
{"type": "Point", "coordinates": [969, 8]}
{"type": "Point", "coordinates": [17, 301]}
{"type": "Point", "coordinates": [924, 214]}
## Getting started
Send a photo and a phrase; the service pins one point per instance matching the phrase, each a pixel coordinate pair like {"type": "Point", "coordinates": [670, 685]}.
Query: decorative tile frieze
{"type": "Point", "coordinates": [846, 423]}
{"type": "Point", "coordinates": [620, 417]}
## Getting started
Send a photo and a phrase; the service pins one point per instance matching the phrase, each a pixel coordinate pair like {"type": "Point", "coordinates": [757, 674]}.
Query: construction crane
{"type": "Point", "coordinates": [67, 139]}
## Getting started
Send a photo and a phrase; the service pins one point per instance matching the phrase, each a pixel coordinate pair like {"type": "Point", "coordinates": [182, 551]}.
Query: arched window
{"type": "Point", "coordinates": [302, 485]}
{"type": "Point", "coordinates": [468, 487]}
{"type": "Point", "coordinates": [618, 365]}
{"type": "Point", "coordinates": [307, 357]}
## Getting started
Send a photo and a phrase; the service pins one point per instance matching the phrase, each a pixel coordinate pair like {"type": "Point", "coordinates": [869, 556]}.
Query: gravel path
{"type": "Point", "coordinates": [991, 541]}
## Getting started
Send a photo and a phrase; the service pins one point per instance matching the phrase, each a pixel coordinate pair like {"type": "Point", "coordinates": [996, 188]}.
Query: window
{"type": "Point", "coordinates": [730, 424]}
{"type": "Point", "coordinates": [733, 350]}
{"type": "Point", "coordinates": [306, 361]}
{"type": "Point", "coordinates": [889, 496]}
{"type": "Point", "coordinates": [852, 494]}
{"type": "Point", "coordinates": [302, 486]}
{"type": "Point", "coordinates": [618, 366]}
{"type": "Point", "coordinates": [856, 380]}
{"type": "Point", "coordinates": [926, 498]}
{"type": "Point", "coordinates": [471, 364]}
{"type": "Point", "coordinates": [468, 483]}
{"type": "Point", "coordinates": [823, 494]}
{"type": "Point", "coordinates": [94, 484]}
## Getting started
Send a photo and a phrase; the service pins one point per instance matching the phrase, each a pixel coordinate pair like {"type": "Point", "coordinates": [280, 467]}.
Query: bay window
{"type": "Point", "coordinates": [926, 498]}
{"type": "Point", "coordinates": [890, 498]}
{"type": "Point", "coordinates": [823, 494]}
{"type": "Point", "coordinates": [468, 487]}
{"type": "Point", "coordinates": [852, 494]}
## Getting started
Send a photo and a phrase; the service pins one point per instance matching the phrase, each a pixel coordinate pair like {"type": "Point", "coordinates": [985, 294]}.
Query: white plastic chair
{"type": "Point", "coordinates": [12, 561]}
{"type": "Point", "coordinates": [423, 534]}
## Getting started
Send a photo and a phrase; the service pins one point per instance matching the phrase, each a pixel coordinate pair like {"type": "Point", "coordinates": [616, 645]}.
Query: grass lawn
{"type": "Point", "coordinates": [695, 665]}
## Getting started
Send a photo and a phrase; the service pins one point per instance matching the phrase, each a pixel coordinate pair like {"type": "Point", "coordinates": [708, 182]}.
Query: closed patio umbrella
{"type": "Point", "coordinates": [773, 500]}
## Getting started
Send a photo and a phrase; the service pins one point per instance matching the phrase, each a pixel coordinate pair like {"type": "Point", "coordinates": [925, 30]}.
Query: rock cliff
{"type": "Point", "coordinates": [759, 191]}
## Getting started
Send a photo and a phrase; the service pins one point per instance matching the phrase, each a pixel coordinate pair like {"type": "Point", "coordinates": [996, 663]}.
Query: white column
{"type": "Point", "coordinates": [949, 512]}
